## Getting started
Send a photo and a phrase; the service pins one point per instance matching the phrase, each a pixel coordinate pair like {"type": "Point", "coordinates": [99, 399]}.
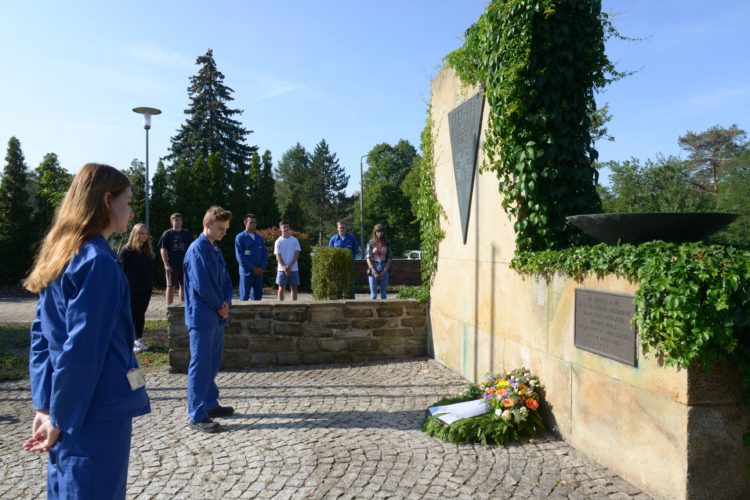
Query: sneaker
{"type": "Point", "coordinates": [207, 425]}
{"type": "Point", "coordinates": [139, 344]}
{"type": "Point", "coordinates": [221, 411]}
{"type": "Point", "coordinates": [137, 350]}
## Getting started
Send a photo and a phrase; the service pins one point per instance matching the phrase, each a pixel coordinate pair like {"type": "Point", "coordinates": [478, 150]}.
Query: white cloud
{"type": "Point", "coordinates": [159, 57]}
{"type": "Point", "coordinates": [269, 88]}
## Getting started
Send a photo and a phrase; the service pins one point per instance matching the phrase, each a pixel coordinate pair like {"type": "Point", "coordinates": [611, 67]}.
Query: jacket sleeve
{"type": "Point", "coordinates": [227, 287]}
{"type": "Point", "coordinates": [238, 251]}
{"type": "Point", "coordinates": [89, 324]}
{"type": "Point", "coordinates": [203, 279]}
{"type": "Point", "coordinates": [40, 366]}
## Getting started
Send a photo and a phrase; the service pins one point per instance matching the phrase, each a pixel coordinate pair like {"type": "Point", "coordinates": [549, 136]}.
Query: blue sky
{"type": "Point", "coordinates": [356, 73]}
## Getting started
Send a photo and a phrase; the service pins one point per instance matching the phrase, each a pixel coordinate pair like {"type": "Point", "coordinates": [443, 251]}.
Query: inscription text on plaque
{"type": "Point", "coordinates": [602, 325]}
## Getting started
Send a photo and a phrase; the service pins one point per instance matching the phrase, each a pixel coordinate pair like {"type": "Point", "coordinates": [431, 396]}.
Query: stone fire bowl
{"type": "Point", "coordinates": [641, 227]}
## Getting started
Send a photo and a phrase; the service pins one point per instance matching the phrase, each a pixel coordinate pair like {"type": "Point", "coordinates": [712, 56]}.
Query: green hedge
{"type": "Point", "coordinates": [332, 274]}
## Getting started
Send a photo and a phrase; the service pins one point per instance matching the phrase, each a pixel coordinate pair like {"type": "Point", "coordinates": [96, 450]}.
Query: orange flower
{"type": "Point", "coordinates": [507, 402]}
{"type": "Point", "coordinates": [532, 404]}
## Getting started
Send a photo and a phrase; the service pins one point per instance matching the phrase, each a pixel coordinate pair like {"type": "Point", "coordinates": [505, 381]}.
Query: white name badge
{"type": "Point", "coordinates": [247, 252]}
{"type": "Point", "coordinates": [136, 379]}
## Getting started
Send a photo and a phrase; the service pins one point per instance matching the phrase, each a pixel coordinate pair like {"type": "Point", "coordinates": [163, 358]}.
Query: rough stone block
{"type": "Point", "coordinates": [272, 344]}
{"type": "Point", "coordinates": [715, 453]}
{"type": "Point", "coordinates": [350, 334]}
{"type": "Point", "coordinates": [326, 314]}
{"type": "Point", "coordinates": [318, 358]}
{"type": "Point", "coordinates": [180, 340]}
{"type": "Point", "coordinates": [259, 327]}
{"type": "Point", "coordinates": [178, 361]}
{"type": "Point", "coordinates": [390, 311]}
{"type": "Point", "coordinates": [721, 383]}
{"type": "Point", "coordinates": [236, 341]}
{"type": "Point", "coordinates": [291, 313]}
{"type": "Point", "coordinates": [393, 332]}
{"type": "Point", "coordinates": [234, 359]}
{"type": "Point", "coordinates": [362, 344]}
{"type": "Point", "coordinates": [262, 358]}
{"type": "Point", "coordinates": [313, 330]}
{"type": "Point", "coordinates": [291, 329]}
{"type": "Point", "coordinates": [368, 324]}
{"type": "Point", "coordinates": [240, 313]}
{"type": "Point", "coordinates": [332, 345]}
{"type": "Point", "coordinates": [412, 322]}
{"type": "Point", "coordinates": [306, 344]}
{"type": "Point", "coordinates": [289, 358]}
{"type": "Point", "coordinates": [352, 311]}
{"type": "Point", "coordinates": [336, 325]}
{"type": "Point", "coordinates": [416, 310]}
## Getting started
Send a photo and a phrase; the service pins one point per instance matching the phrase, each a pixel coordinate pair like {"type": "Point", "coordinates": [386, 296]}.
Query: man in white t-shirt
{"type": "Point", "coordinates": [287, 249]}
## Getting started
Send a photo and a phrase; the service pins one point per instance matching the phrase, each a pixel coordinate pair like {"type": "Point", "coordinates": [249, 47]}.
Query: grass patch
{"type": "Point", "coordinates": [15, 341]}
{"type": "Point", "coordinates": [14, 348]}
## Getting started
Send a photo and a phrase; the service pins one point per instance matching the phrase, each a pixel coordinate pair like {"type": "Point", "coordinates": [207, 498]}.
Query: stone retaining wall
{"type": "Point", "coordinates": [293, 333]}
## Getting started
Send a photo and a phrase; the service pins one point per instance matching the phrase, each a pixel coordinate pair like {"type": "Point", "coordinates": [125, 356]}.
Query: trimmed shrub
{"type": "Point", "coordinates": [332, 273]}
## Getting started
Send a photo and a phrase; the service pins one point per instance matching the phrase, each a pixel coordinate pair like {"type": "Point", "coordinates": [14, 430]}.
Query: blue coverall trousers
{"type": "Point", "coordinates": [251, 286]}
{"type": "Point", "coordinates": [92, 463]}
{"type": "Point", "coordinates": [205, 357]}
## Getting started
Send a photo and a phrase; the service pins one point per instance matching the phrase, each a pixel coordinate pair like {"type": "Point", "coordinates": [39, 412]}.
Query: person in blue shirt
{"type": "Point", "coordinates": [85, 382]}
{"type": "Point", "coordinates": [208, 296]}
{"type": "Point", "coordinates": [252, 256]}
{"type": "Point", "coordinates": [342, 239]}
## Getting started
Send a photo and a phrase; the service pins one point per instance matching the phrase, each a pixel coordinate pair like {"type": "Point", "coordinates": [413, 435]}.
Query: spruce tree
{"type": "Point", "coordinates": [291, 174]}
{"type": "Point", "coordinates": [265, 196]}
{"type": "Point", "coordinates": [324, 189]}
{"type": "Point", "coordinates": [160, 201]}
{"type": "Point", "coordinates": [53, 182]}
{"type": "Point", "coordinates": [15, 217]}
{"type": "Point", "coordinates": [210, 126]}
{"type": "Point", "coordinates": [137, 175]}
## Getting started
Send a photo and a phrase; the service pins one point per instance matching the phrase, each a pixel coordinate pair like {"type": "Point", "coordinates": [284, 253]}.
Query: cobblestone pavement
{"type": "Point", "coordinates": [334, 431]}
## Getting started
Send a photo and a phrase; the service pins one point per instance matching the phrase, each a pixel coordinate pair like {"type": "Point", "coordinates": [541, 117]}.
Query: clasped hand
{"type": "Point", "coordinates": [224, 311]}
{"type": "Point", "coordinates": [44, 435]}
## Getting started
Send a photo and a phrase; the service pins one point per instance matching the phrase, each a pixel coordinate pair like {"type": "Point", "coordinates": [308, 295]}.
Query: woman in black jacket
{"type": "Point", "coordinates": [137, 258]}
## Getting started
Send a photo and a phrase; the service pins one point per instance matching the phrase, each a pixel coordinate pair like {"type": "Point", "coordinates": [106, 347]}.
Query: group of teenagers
{"type": "Point", "coordinates": [85, 383]}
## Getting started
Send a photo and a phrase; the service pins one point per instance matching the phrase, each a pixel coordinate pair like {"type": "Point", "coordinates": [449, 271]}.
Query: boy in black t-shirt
{"type": "Point", "coordinates": [172, 245]}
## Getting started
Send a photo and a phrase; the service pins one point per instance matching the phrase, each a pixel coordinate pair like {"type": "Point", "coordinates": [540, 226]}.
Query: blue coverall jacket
{"type": "Point", "coordinates": [250, 252]}
{"type": "Point", "coordinates": [207, 285]}
{"type": "Point", "coordinates": [82, 343]}
{"type": "Point", "coordinates": [81, 350]}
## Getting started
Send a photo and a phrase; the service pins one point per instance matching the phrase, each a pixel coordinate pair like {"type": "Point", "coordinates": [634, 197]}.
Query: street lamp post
{"type": "Point", "coordinates": [147, 114]}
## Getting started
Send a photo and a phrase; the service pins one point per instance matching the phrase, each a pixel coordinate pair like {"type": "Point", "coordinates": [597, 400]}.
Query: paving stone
{"type": "Point", "coordinates": [347, 431]}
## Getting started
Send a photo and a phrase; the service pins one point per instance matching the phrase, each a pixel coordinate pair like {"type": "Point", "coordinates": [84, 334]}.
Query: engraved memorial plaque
{"type": "Point", "coordinates": [465, 125]}
{"type": "Point", "coordinates": [602, 325]}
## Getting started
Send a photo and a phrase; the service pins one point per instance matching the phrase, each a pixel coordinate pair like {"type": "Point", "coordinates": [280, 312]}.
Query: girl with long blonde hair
{"type": "Point", "coordinates": [84, 376]}
{"type": "Point", "coordinates": [137, 258]}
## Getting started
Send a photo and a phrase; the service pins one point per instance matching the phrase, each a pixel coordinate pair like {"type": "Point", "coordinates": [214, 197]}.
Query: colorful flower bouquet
{"type": "Point", "coordinates": [513, 403]}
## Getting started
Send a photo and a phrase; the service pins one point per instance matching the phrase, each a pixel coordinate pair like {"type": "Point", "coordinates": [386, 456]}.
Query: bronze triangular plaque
{"type": "Point", "coordinates": [465, 125]}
